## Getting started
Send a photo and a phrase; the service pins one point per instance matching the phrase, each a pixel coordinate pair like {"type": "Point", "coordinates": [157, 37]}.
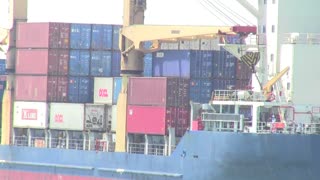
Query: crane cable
{"type": "Point", "coordinates": [235, 14]}
{"type": "Point", "coordinates": [210, 11]}
{"type": "Point", "coordinates": [220, 11]}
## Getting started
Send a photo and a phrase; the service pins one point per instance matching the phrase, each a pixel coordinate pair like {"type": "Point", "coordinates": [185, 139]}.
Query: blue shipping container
{"type": "Point", "coordinates": [116, 89]}
{"type": "Point", "coordinates": [3, 83]}
{"type": "Point", "coordinates": [79, 63]}
{"type": "Point", "coordinates": [115, 37]}
{"type": "Point", "coordinates": [147, 70]}
{"type": "Point", "coordinates": [116, 62]}
{"type": "Point", "coordinates": [101, 37]}
{"type": "Point", "coordinates": [201, 65]}
{"type": "Point", "coordinates": [80, 90]}
{"type": "Point", "coordinates": [223, 84]}
{"type": "Point", "coordinates": [80, 36]}
{"type": "Point", "coordinates": [200, 90]}
{"type": "Point", "coordinates": [2, 66]}
{"type": "Point", "coordinates": [224, 65]}
{"type": "Point", "coordinates": [100, 63]}
{"type": "Point", "coordinates": [171, 63]}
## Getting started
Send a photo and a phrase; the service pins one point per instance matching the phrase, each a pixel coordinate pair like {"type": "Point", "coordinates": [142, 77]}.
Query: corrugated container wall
{"type": "Point", "coordinates": [42, 61]}
{"type": "Point", "coordinates": [158, 91]}
{"type": "Point", "coordinates": [80, 36]}
{"type": "Point", "coordinates": [201, 90]}
{"type": "Point", "coordinates": [58, 88]}
{"type": "Point", "coordinates": [171, 63]}
{"type": "Point", "coordinates": [43, 35]}
{"type": "Point", "coordinates": [2, 66]}
{"type": "Point", "coordinates": [117, 84]}
{"type": "Point", "coordinates": [222, 84]}
{"type": "Point", "coordinates": [67, 116]}
{"type": "Point", "coordinates": [116, 62]}
{"type": "Point", "coordinates": [115, 37]}
{"type": "Point", "coordinates": [31, 88]}
{"type": "Point", "coordinates": [101, 37]}
{"type": "Point", "coordinates": [182, 120]}
{"type": "Point", "coordinates": [80, 90]}
{"type": "Point", "coordinates": [103, 90]}
{"type": "Point", "coordinates": [201, 65]}
{"type": "Point", "coordinates": [243, 84]}
{"type": "Point", "coordinates": [79, 63]}
{"type": "Point", "coordinates": [101, 63]}
{"type": "Point", "coordinates": [224, 65]}
{"type": "Point", "coordinates": [97, 117]}
{"type": "Point", "coordinates": [30, 115]}
{"type": "Point", "coordinates": [147, 71]}
{"type": "Point", "coordinates": [243, 71]}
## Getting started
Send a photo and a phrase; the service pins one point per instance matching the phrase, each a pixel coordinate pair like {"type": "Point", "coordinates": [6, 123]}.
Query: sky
{"type": "Point", "coordinates": [162, 12]}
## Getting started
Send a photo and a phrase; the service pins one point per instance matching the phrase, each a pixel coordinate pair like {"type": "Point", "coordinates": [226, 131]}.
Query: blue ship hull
{"type": "Point", "coordinates": [199, 155]}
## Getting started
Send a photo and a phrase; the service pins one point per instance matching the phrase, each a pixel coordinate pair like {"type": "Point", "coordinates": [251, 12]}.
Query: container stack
{"type": "Point", "coordinates": [156, 104]}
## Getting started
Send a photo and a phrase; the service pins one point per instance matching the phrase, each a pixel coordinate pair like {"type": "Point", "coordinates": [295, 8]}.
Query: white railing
{"type": "Point", "coordinates": [300, 38]}
{"type": "Point", "coordinates": [136, 148]}
{"type": "Point", "coordinates": [156, 149]}
{"type": "Point", "coordinates": [237, 95]}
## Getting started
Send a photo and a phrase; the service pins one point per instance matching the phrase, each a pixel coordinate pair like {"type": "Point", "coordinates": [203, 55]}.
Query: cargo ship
{"type": "Point", "coordinates": [232, 103]}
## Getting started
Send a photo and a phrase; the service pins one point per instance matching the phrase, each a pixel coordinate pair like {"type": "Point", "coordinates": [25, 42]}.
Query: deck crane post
{"type": "Point", "coordinates": [132, 36]}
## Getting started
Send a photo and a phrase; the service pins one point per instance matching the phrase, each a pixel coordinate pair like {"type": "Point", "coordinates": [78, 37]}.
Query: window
{"type": "Point", "coordinates": [265, 1]}
{"type": "Point", "coordinates": [273, 28]}
{"type": "Point", "coordinates": [271, 57]}
{"type": "Point", "coordinates": [273, 1]}
{"type": "Point", "coordinates": [263, 29]}
{"type": "Point", "coordinates": [288, 86]}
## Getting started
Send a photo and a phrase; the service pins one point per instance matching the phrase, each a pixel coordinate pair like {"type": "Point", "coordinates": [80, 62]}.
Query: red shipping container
{"type": "Point", "coordinates": [243, 71]}
{"type": "Point", "coordinates": [158, 91]}
{"type": "Point", "coordinates": [243, 84]}
{"type": "Point", "coordinates": [43, 35]}
{"type": "Point", "coordinates": [31, 88]}
{"type": "Point", "coordinates": [42, 61]}
{"type": "Point", "coordinates": [57, 88]}
{"type": "Point", "coordinates": [149, 119]}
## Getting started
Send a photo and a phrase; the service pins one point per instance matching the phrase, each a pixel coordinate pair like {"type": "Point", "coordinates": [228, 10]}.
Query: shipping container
{"type": "Point", "coordinates": [43, 35]}
{"type": "Point", "coordinates": [169, 46]}
{"type": "Point", "coordinates": [243, 71]}
{"type": "Point", "coordinates": [42, 61]}
{"type": "Point", "coordinates": [149, 119]}
{"type": "Point", "coordinates": [58, 88]}
{"type": "Point", "coordinates": [223, 84]}
{"type": "Point", "coordinates": [31, 88]}
{"type": "Point", "coordinates": [115, 37]}
{"type": "Point", "coordinates": [11, 59]}
{"type": "Point", "coordinates": [243, 84]}
{"type": "Point", "coordinates": [182, 122]}
{"type": "Point", "coordinates": [147, 70]}
{"type": "Point", "coordinates": [30, 115]}
{"type": "Point", "coordinates": [97, 117]}
{"type": "Point", "coordinates": [2, 66]}
{"type": "Point", "coordinates": [13, 32]}
{"type": "Point", "coordinates": [201, 90]}
{"type": "Point", "coordinates": [101, 63]}
{"type": "Point", "coordinates": [158, 91]}
{"type": "Point", "coordinates": [117, 84]}
{"type": "Point", "coordinates": [80, 90]}
{"type": "Point", "coordinates": [201, 65]}
{"type": "Point", "coordinates": [210, 44]}
{"type": "Point", "coordinates": [171, 63]}
{"type": "Point", "coordinates": [101, 37]}
{"type": "Point", "coordinates": [103, 90]}
{"type": "Point", "coordinates": [79, 64]}
{"type": "Point", "coordinates": [189, 44]}
{"type": "Point", "coordinates": [116, 62]}
{"type": "Point", "coordinates": [80, 36]}
{"type": "Point", "coordinates": [224, 65]}
{"type": "Point", "coordinates": [114, 118]}
{"type": "Point", "coordinates": [66, 116]}
{"type": "Point", "coordinates": [3, 85]}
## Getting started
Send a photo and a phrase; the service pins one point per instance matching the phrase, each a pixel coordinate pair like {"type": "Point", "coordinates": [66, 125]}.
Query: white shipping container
{"type": "Point", "coordinates": [30, 115]}
{"type": "Point", "coordinates": [103, 90]}
{"type": "Point", "coordinates": [66, 116]}
{"type": "Point", "coordinates": [190, 45]}
{"type": "Point", "coordinates": [210, 44]}
{"type": "Point", "coordinates": [97, 117]}
{"type": "Point", "coordinates": [169, 45]}
{"type": "Point", "coordinates": [114, 118]}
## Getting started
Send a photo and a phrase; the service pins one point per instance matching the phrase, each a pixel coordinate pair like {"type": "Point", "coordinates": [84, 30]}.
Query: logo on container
{"type": "Point", "coordinates": [58, 118]}
{"type": "Point", "coordinates": [103, 93]}
{"type": "Point", "coordinates": [29, 114]}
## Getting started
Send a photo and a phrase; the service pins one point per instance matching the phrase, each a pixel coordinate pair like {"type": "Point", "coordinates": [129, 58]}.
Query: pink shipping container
{"type": "Point", "coordinates": [42, 61]}
{"type": "Point", "coordinates": [154, 119]}
{"type": "Point", "coordinates": [158, 91]}
{"type": "Point", "coordinates": [43, 35]}
{"type": "Point", "coordinates": [58, 88]}
{"type": "Point", "coordinates": [31, 88]}
{"type": "Point", "coordinates": [243, 71]}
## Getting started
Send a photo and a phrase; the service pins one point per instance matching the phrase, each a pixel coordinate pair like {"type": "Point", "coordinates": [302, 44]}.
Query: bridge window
{"type": "Point", "coordinates": [273, 29]}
